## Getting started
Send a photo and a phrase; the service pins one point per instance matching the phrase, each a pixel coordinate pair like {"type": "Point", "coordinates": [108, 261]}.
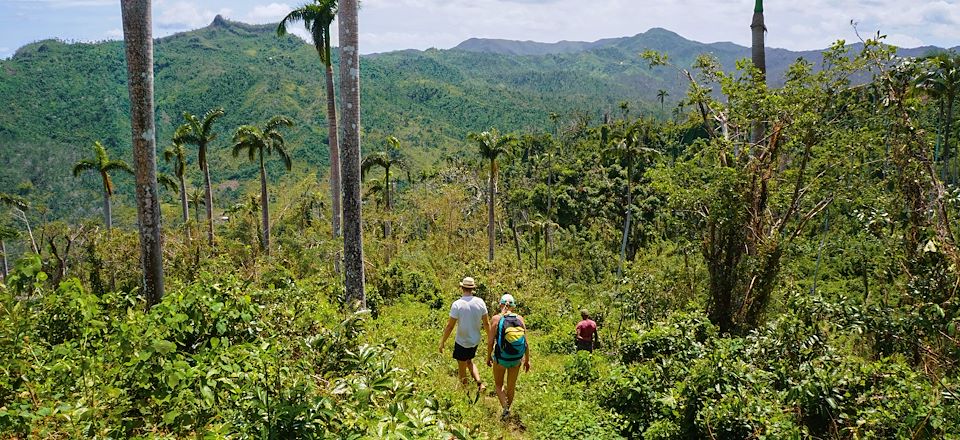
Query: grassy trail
{"type": "Point", "coordinates": [417, 330]}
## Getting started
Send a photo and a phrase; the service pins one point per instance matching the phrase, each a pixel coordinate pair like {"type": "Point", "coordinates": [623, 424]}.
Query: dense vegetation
{"type": "Point", "coordinates": [800, 286]}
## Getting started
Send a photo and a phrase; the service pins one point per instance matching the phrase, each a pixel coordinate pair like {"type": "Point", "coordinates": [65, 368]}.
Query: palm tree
{"type": "Point", "coordinates": [317, 18]}
{"type": "Point", "coordinates": [350, 152]}
{"type": "Point", "coordinates": [491, 145]}
{"type": "Point", "coordinates": [256, 142]}
{"type": "Point", "coordinates": [102, 164]}
{"type": "Point", "coordinates": [387, 159]}
{"type": "Point", "coordinates": [177, 154]}
{"type": "Point", "coordinates": [759, 56]}
{"type": "Point", "coordinates": [627, 146]}
{"type": "Point", "coordinates": [167, 181]}
{"type": "Point", "coordinates": [661, 96]}
{"type": "Point", "coordinates": [199, 132]}
{"type": "Point", "coordinates": [940, 79]}
{"type": "Point", "coordinates": [6, 232]}
{"type": "Point", "coordinates": [138, 41]}
{"type": "Point", "coordinates": [195, 199]}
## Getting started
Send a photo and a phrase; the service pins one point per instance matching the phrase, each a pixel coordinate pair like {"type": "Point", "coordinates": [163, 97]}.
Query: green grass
{"type": "Point", "coordinates": [544, 399]}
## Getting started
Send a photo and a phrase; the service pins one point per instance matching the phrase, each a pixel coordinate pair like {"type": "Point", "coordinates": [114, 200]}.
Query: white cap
{"type": "Point", "coordinates": [507, 299]}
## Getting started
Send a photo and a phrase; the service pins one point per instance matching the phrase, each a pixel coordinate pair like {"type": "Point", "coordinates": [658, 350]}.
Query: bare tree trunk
{"type": "Point", "coordinates": [516, 237]}
{"type": "Point", "coordinates": [107, 210]}
{"type": "Point", "coordinates": [137, 33]}
{"type": "Point", "coordinates": [264, 207]}
{"type": "Point", "coordinates": [26, 222]}
{"type": "Point", "coordinates": [208, 201]}
{"type": "Point", "coordinates": [350, 153]}
{"type": "Point", "coordinates": [333, 140]}
{"type": "Point", "coordinates": [5, 267]}
{"type": "Point", "coordinates": [491, 234]}
{"type": "Point", "coordinates": [759, 56]}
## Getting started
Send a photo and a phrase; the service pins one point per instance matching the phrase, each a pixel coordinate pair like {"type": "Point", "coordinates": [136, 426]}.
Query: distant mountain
{"type": "Point", "coordinates": [59, 98]}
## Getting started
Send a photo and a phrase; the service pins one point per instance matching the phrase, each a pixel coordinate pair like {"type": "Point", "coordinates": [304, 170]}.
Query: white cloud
{"type": "Point", "coordinates": [114, 34]}
{"type": "Point", "coordinates": [183, 15]}
{"type": "Point", "coordinates": [271, 13]}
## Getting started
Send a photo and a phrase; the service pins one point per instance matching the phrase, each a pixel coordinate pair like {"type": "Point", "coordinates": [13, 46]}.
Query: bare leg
{"type": "Point", "coordinates": [474, 372]}
{"type": "Point", "coordinates": [462, 371]}
{"type": "Point", "coordinates": [512, 374]}
{"type": "Point", "coordinates": [498, 371]}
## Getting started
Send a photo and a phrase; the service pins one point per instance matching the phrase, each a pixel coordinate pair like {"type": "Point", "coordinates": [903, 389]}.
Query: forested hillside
{"type": "Point", "coordinates": [60, 98]}
{"type": "Point", "coordinates": [776, 258]}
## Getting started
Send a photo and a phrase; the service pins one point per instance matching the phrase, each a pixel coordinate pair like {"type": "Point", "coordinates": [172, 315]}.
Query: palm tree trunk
{"type": "Point", "coordinates": [264, 206]}
{"type": "Point", "coordinates": [5, 267]}
{"type": "Point", "coordinates": [107, 211]}
{"type": "Point", "coordinates": [387, 229]}
{"type": "Point", "coordinates": [759, 56]}
{"type": "Point", "coordinates": [946, 141]}
{"type": "Point", "coordinates": [333, 140]}
{"type": "Point", "coordinates": [137, 33]}
{"type": "Point", "coordinates": [184, 206]}
{"type": "Point", "coordinates": [626, 223]}
{"type": "Point", "coordinates": [350, 153]}
{"type": "Point", "coordinates": [208, 201]}
{"type": "Point", "coordinates": [492, 187]}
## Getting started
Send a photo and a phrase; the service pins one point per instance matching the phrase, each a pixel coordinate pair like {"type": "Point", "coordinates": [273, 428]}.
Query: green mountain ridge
{"type": "Point", "coordinates": [61, 97]}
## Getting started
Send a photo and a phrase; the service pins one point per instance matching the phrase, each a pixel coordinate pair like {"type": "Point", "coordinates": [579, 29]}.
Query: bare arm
{"type": "Point", "coordinates": [491, 333]}
{"type": "Point", "coordinates": [451, 322]}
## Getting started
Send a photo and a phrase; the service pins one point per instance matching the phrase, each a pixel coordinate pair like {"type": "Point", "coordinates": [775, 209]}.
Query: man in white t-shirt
{"type": "Point", "coordinates": [469, 315]}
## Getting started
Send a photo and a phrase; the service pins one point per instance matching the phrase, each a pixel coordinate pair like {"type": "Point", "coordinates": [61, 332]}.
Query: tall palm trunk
{"type": "Point", "coordinates": [629, 217]}
{"type": "Point", "coordinates": [137, 35]}
{"type": "Point", "coordinates": [107, 210]}
{"type": "Point", "coordinates": [387, 227]}
{"type": "Point", "coordinates": [333, 140]}
{"type": "Point", "coordinates": [759, 56]}
{"type": "Point", "coordinates": [264, 206]}
{"type": "Point", "coordinates": [516, 237]}
{"type": "Point", "coordinates": [350, 153]}
{"type": "Point", "coordinates": [208, 201]}
{"type": "Point", "coordinates": [184, 207]}
{"type": "Point", "coordinates": [492, 192]}
{"type": "Point", "coordinates": [948, 126]}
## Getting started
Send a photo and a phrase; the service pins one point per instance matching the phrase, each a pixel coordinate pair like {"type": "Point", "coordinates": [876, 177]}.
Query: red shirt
{"type": "Point", "coordinates": [586, 329]}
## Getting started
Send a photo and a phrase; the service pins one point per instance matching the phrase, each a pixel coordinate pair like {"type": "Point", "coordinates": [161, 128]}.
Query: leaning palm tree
{"type": "Point", "coordinates": [491, 145]}
{"type": "Point", "coordinates": [257, 141]}
{"type": "Point", "coordinates": [103, 165]}
{"type": "Point", "coordinates": [387, 159]}
{"type": "Point", "coordinates": [350, 152]}
{"type": "Point", "coordinates": [199, 132]}
{"type": "Point", "coordinates": [7, 232]}
{"type": "Point", "coordinates": [317, 18]}
{"type": "Point", "coordinates": [177, 154]}
{"type": "Point", "coordinates": [759, 56]}
{"type": "Point", "coordinates": [138, 43]}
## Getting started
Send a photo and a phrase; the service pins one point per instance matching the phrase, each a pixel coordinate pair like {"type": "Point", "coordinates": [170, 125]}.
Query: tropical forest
{"type": "Point", "coordinates": [264, 231]}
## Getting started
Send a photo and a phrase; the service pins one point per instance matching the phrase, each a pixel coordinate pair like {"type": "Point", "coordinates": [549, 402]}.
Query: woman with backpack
{"type": "Point", "coordinates": [507, 349]}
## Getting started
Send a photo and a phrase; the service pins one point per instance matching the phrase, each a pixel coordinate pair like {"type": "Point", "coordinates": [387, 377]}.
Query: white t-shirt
{"type": "Point", "coordinates": [468, 311]}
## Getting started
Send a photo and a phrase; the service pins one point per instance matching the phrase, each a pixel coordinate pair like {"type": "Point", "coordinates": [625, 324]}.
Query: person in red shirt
{"type": "Point", "coordinates": [587, 336]}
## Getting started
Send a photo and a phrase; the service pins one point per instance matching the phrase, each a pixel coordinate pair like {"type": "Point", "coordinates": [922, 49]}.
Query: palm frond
{"type": "Point", "coordinates": [14, 201]}
{"type": "Point", "coordinates": [167, 181]}
{"type": "Point", "coordinates": [117, 165]}
{"type": "Point", "coordinates": [85, 165]}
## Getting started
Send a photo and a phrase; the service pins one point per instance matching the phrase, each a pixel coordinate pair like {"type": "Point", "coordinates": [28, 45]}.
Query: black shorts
{"type": "Point", "coordinates": [462, 353]}
{"type": "Point", "coordinates": [583, 345]}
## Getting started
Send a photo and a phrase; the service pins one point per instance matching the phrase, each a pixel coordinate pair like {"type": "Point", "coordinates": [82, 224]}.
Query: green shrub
{"type": "Point", "coordinates": [397, 281]}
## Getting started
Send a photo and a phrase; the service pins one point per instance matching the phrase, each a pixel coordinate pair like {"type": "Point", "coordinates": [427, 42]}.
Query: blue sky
{"type": "Point", "coordinates": [420, 24]}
